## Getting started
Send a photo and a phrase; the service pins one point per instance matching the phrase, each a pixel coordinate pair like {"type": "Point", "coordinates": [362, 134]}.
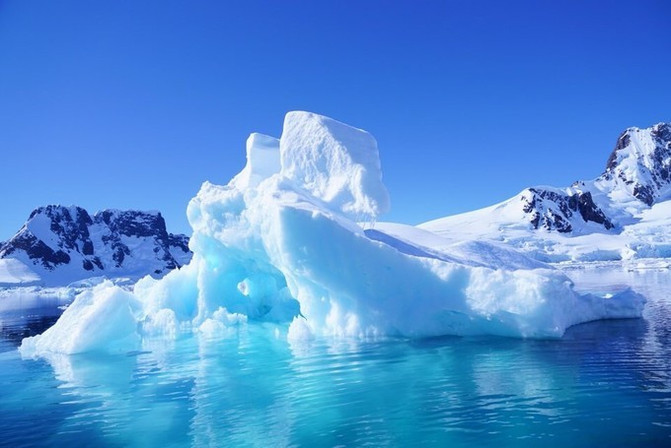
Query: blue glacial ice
{"type": "Point", "coordinates": [283, 244]}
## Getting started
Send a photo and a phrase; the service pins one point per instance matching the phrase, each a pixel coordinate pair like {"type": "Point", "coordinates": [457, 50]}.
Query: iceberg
{"type": "Point", "coordinates": [283, 245]}
{"type": "Point", "coordinates": [101, 319]}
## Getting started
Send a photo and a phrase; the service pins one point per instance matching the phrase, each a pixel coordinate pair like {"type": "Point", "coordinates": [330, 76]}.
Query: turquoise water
{"type": "Point", "coordinates": [605, 383]}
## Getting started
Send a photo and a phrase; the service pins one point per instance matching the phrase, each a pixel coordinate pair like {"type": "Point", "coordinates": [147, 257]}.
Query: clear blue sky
{"type": "Point", "coordinates": [132, 104]}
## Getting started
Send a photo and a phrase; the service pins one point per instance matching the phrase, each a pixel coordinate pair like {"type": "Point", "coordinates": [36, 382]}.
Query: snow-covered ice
{"type": "Point", "coordinates": [101, 319]}
{"type": "Point", "coordinates": [334, 163]}
{"type": "Point", "coordinates": [15, 273]}
{"type": "Point", "coordinates": [263, 160]}
{"type": "Point", "coordinates": [281, 245]}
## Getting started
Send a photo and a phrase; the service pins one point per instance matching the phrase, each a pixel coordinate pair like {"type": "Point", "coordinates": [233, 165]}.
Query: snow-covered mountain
{"type": "Point", "coordinates": [607, 217]}
{"type": "Point", "coordinates": [58, 245]}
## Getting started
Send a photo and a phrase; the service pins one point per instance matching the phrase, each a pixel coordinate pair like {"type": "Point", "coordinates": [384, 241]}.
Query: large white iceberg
{"type": "Point", "coordinates": [281, 244]}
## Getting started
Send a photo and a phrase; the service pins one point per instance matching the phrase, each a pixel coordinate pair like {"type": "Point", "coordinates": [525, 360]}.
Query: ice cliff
{"type": "Point", "coordinates": [280, 245]}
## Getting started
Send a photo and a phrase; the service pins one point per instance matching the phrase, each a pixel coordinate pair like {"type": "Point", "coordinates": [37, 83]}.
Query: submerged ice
{"type": "Point", "coordinates": [281, 244]}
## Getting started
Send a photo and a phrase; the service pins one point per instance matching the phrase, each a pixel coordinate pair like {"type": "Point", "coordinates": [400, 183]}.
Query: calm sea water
{"type": "Point", "coordinates": [604, 384]}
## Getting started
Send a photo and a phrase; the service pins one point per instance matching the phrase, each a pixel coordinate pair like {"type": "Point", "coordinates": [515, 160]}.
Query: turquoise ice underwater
{"type": "Point", "coordinates": [293, 325]}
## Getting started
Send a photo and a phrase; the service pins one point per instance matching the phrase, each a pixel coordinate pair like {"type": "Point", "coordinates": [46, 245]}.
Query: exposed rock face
{"type": "Point", "coordinates": [638, 169]}
{"type": "Point", "coordinates": [553, 210]}
{"type": "Point", "coordinates": [623, 214]}
{"type": "Point", "coordinates": [641, 163]}
{"type": "Point", "coordinates": [112, 242]}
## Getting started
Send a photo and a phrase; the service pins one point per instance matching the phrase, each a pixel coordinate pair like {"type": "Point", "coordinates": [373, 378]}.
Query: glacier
{"type": "Point", "coordinates": [291, 243]}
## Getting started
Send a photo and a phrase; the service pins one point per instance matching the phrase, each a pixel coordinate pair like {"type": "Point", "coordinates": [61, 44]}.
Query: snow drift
{"type": "Point", "coordinates": [280, 244]}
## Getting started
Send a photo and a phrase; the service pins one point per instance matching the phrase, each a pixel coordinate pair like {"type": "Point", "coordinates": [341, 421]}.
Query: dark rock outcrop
{"type": "Point", "coordinates": [552, 210]}
{"type": "Point", "coordinates": [111, 241]}
{"type": "Point", "coordinates": [638, 167]}
{"type": "Point", "coordinates": [644, 169]}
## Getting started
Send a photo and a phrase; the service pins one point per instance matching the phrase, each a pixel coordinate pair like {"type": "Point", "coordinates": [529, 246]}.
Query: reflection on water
{"type": "Point", "coordinates": [605, 383]}
{"type": "Point", "coordinates": [13, 332]}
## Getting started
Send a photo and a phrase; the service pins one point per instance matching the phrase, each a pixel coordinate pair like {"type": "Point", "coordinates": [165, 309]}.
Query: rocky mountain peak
{"type": "Point", "coordinates": [113, 242]}
{"type": "Point", "coordinates": [551, 209]}
{"type": "Point", "coordinates": [641, 163]}
{"type": "Point", "coordinates": [638, 169]}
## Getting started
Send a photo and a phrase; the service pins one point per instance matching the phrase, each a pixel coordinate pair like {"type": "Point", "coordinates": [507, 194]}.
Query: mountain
{"type": "Point", "coordinates": [64, 244]}
{"type": "Point", "coordinates": [609, 217]}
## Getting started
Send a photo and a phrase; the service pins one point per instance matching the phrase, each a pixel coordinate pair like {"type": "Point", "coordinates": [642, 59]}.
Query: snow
{"type": "Point", "coordinates": [335, 163]}
{"type": "Point", "coordinates": [422, 243]}
{"type": "Point", "coordinates": [640, 163]}
{"type": "Point", "coordinates": [282, 248]}
{"type": "Point", "coordinates": [60, 245]}
{"type": "Point", "coordinates": [636, 164]}
{"type": "Point", "coordinates": [15, 273]}
{"type": "Point", "coordinates": [647, 236]}
{"type": "Point", "coordinates": [263, 160]}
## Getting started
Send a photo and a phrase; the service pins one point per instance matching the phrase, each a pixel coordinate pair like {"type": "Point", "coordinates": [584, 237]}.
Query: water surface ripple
{"type": "Point", "coordinates": [605, 383]}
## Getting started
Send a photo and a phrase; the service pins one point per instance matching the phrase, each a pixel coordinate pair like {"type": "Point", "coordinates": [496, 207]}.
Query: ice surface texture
{"type": "Point", "coordinates": [335, 163]}
{"type": "Point", "coordinates": [279, 244]}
